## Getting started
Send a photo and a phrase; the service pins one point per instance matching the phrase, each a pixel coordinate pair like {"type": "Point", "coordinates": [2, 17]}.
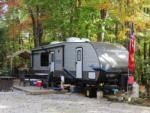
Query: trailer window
{"type": "Point", "coordinates": [44, 59]}
{"type": "Point", "coordinates": [79, 55]}
{"type": "Point", "coordinates": [52, 57]}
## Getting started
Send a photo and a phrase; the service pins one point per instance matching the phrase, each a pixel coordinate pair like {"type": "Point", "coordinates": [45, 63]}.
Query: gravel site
{"type": "Point", "coordinates": [20, 102]}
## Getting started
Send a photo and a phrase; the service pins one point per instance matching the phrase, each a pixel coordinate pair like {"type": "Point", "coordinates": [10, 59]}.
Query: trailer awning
{"type": "Point", "coordinates": [21, 53]}
{"type": "Point", "coordinates": [25, 54]}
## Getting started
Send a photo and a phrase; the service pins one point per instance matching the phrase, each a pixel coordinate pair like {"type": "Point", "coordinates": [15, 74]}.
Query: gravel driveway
{"type": "Point", "coordinates": [20, 102]}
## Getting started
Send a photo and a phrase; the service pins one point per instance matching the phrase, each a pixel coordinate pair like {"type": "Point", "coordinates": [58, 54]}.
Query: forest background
{"type": "Point", "coordinates": [26, 24]}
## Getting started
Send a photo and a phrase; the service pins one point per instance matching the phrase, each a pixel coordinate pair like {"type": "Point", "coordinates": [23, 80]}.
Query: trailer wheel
{"type": "Point", "coordinates": [87, 92]}
{"type": "Point", "coordinates": [90, 91]}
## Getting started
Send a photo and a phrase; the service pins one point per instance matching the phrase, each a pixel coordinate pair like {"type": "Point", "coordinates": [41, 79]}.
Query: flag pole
{"type": "Point", "coordinates": [131, 33]}
{"type": "Point", "coordinates": [127, 83]}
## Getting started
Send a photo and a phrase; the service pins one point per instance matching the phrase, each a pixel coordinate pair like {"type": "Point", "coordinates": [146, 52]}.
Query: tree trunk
{"type": "Point", "coordinates": [149, 77]}
{"type": "Point", "coordinates": [145, 49]}
{"type": "Point", "coordinates": [116, 31]}
{"type": "Point", "coordinates": [101, 34]}
{"type": "Point", "coordinates": [149, 52]}
{"type": "Point", "coordinates": [36, 26]}
{"type": "Point", "coordinates": [71, 24]}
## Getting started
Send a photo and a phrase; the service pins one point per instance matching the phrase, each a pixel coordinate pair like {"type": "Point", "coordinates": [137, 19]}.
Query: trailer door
{"type": "Point", "coordinates": [52, 63]}
{"type": "Point", "coordinates": [79, 61]}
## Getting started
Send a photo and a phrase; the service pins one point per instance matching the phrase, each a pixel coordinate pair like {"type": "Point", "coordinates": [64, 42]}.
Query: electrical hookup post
{"type": "Point", "coordinates": [131, 60]}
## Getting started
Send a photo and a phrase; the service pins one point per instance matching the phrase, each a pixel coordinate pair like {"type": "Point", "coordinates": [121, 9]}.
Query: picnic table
{"type": "Point", "coordinates": [6, 83]}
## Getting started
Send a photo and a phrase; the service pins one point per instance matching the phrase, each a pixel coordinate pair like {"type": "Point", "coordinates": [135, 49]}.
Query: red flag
{"type": "Point", "coordinates": [131, 60]}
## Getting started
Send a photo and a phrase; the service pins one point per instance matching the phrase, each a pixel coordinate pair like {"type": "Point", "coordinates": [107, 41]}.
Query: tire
{"type": "Point", "coordinates": [87, 92]}
{"type": "Point", "coordinates": [90, 92]}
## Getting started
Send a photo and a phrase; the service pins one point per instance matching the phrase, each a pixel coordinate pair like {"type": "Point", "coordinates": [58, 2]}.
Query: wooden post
{"type": "Point", "coordinates": [11, 65]}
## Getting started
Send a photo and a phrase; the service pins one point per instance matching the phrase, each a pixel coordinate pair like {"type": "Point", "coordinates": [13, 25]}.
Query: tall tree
{"type": "Point", "coordinates": [37, 25]}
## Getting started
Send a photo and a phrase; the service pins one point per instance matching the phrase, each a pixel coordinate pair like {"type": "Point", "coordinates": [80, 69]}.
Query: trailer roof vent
{"type": "Point", "coordinates": [55, 42]}
{"type": "Point", "coordinates": [73, 39]}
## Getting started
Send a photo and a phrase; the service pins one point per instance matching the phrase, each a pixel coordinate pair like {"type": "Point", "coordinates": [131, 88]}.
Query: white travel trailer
{"type": "Point", "coordinates": [82, 62]}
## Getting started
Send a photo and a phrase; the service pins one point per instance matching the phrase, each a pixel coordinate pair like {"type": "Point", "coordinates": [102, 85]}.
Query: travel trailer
{"type": "Point", "coordinates": [82, 62]}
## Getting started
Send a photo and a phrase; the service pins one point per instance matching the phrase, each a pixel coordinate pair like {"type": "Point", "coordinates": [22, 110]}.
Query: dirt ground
{"type": "Point", "coordinates": [20, 102]}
